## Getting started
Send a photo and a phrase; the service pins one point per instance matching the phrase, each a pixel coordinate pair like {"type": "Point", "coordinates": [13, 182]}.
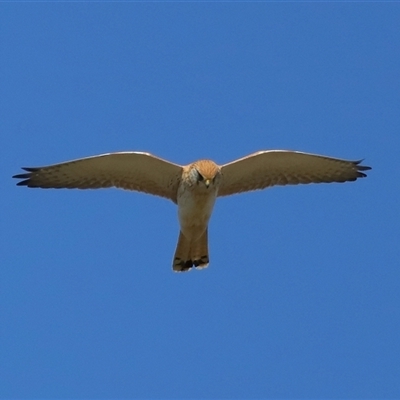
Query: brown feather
{"type": "Point", "coordinates": [142, 172]}
{"type": "Point", "coordinates": [280, 167]}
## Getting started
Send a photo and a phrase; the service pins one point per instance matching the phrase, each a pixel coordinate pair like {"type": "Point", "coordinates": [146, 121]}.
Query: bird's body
{"type": "Point", "coordinates": [195, 187]}
{"type": "Point", "coordinates": [194, 209]}
{"type": "Point", "coordinates": [196, 197]}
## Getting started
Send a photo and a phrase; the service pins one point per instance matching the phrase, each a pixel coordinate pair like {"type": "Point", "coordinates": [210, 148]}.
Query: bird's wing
{"type": "Point", "coordinates": [281, 167]}
{"type": "Point", "coordinates": [127, 170]}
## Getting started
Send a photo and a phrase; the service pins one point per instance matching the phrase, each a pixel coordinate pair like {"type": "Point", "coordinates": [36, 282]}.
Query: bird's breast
{"type": "Point", "coordinates": [194, 210]}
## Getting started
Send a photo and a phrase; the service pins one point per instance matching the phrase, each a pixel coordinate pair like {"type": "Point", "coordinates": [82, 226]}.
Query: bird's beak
{"type": "Point", "coordinates": [207, 183]}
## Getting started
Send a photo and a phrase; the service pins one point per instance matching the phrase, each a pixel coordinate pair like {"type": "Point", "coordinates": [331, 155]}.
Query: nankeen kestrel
{"type": "Point", "coordinates": [194, 187]}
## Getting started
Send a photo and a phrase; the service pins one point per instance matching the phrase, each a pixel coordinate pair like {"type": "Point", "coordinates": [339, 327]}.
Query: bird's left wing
{"type": "Point", "coordinates": [282, 167]}
{"type": "Point", "coordinates": [138, 171]}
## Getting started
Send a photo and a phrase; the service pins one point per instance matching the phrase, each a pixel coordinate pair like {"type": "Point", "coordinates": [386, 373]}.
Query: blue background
{"type": "Point", "coordinates": [301, 298]}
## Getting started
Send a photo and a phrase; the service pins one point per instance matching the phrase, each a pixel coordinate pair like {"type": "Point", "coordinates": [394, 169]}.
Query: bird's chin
{"type": "Point", "coordinates": [207, 189]}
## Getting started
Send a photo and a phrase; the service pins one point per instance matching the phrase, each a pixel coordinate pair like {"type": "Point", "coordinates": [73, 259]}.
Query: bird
{"type": "Point", "coordinates": [194, 188]}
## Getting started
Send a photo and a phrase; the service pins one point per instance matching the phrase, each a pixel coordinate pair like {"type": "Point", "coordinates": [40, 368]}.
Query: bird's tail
{"type": "Point", "coordinates": [191, 254]}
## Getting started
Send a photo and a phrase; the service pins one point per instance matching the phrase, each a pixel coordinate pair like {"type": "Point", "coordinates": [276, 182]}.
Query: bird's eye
{"type": "Point", "coordinates": [200, 177]}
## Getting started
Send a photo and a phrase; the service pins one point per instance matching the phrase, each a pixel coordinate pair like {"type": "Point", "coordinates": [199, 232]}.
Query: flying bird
{"type": "Point", "coordinates": [194, 187]}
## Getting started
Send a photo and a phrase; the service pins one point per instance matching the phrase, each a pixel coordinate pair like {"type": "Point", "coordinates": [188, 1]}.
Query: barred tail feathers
{"type": "Point", "coordinates": [191, 254]}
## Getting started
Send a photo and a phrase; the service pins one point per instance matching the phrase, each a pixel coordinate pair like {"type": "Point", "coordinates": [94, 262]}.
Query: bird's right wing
{"type": "Point", "coordinates": [138, 171]}
{"type": "Point", "coordinates": [282, 167]}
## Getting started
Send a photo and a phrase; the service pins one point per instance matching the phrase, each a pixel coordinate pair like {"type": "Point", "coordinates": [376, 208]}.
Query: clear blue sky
{"type": "Point", "coordinates": [301, 298]}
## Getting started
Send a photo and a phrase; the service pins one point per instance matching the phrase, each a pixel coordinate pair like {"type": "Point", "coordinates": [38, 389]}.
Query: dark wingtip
{"type": "Point", "coordinates": [26, 177]}
{"type": "Point", "coordinates": [22, 176]}
{"type": "Point", "coordinates": [24, 183]}
{"type": "Point", "coordinates": [361, 168]}
{"type": "Point", "coordinates": [30, 169]}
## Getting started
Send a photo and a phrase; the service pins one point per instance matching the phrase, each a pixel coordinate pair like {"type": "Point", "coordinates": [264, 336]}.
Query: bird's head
{"type": "Point", "coordinates": [206, 174]}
